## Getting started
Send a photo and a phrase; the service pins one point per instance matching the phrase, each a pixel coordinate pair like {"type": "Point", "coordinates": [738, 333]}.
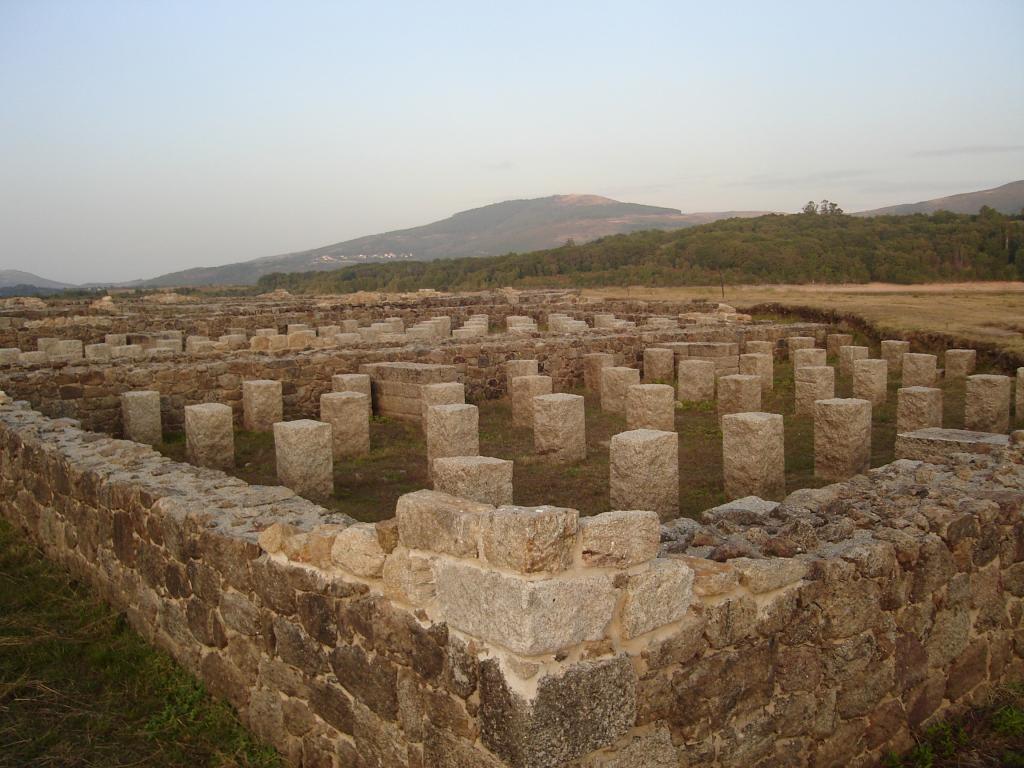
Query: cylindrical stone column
{"type": "Point", "coordinates": [445, 393]}
{"type": "Point", "coordinates": [614, 383]}
{"type": "Point", "coordinates": [960, 363]}
{"type": "Point", "coordinates": [210, 435]}
{"type": "Point", "coordinates": [352, 382]}
{"type": "Point", "coordinates": [847, 355]}
{"type": "Point", "coordinates": [659, 366]}
{"type": "Point", "coordinates": [834, 341]}
{"type": "Point", "coordinates": [262, 405]}
{"type": "Point", "coordinates": [477, 478]}
{"type": "Point", "coordinates": [516, 368]}
{"type": "Point", "coordinates": [304, 456]}
{"type": "Point", "coordinates": [760, 365]}
{"type": "Point", "coordinates": [814, 382]}
{"type": "Point", "coordinates": [140, 416]}
{"type": "Point", "coordinates": [871, 380]}
{"type": "Point", "coordinates": [753, 455]}
{"type": "Point", "coordinates": [452, 430]}
{"type": "Point", "coordinates": [793, 343]}
{"type": "Point", "coordinates": [696, 381]}
{"type": "Point", "coordinates": [918, 408]}
{"type": "Point", "coordinates": [523, 390]}
{"type": "Point", "coordinates": [651, 406]}
{"type": "Point", "coordinates": [842, 438]}
{"type": "Point", "coordinates": [643, 471]}
{"type": "Point", "coordinates": [592, 365]}
{"type": "Point", "coordinates": [348, 413]}
{"type": "Point", "coordinates": [919, 370]}
{"type": "Point", "coordinates": [987, 403]}
{"type": "Point", "coordinates": [560, 428]}
{"type": "Point", "coordinates": [812, 356]}
{"type": "Point", "coordinates": [739, 394]}
{"type": "Point", "coordinates": [759, 347]}
{"type": "Point", "coordinates": [892, 351]}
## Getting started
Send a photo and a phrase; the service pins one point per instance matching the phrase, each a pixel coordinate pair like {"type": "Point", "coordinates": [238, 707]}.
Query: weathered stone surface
{"type": "Point", "coordinates": [357, 549]}
{"type": "Point", "coordinates": [811, 383]}
{"type": "Point", "coordinates": [593, 362]}
{"type": "Point", "coordinates": [738, 394]}
{"type": "Point", "coordinates": [140, 416]}
{"type": "Point", "coordinates": [210, 435]}
{"type": "Point", "coordinates": [651, 406]}
{"type": "Point", "coordinates": [987, 403]}
{"type": "Point", "coordinates": [262, 405]}
{"type": "Point", "coordinates": [656, 597]}
{"type": "Point", "coordinates": [847, 355]}
{"type": "Point", "coordinates": [615, 382]}
{"type": "Point", "coordinates": [529, 539]}
{"type": "Point", "coordinates": [918, 408]}
{"type": "Point", "coordinates": [644, 471]}
{"type": "Point", "coordinates": [409, 577]}
{"type": "Point", "coordinates": [768, 574]}
{"type": "Point", "coordinates": [753, 455]}
{"type": "Point", "coordinates": [348, 413]}
{"type": "Point", "coordinates": [892, 351]}
{"type": "Point", "coordinates": [834, 341]}
{"type": "Point", "coordinates": [559, 427]}
{"type": "Point", "coordinates": [871, 380]}
{"type": "Point", "coordinates": [440, 523]}
{"type": "Point", "coordinates": [793, 343]}
{"type": "Point", "coordinates": [812, 356]}
{"type": "Point", "coordinates": [659, 366]}
{"type": "Point", "coordinates": [1019, 397]}
{"type": "Point", "coordinates": [444, 393]}
{"type": "Point", "coordinates": [696, 382]}
{"type": "Point", "coordinates": [960, 363]}
{"type": "Point", "coordinates": [759, 347]}
{"type": "Point", "coordinates": [648, 748]}
{"type": "Point", "coordinates": [477, 478]}
{"type": "Point", "coordinates": [527, 617]}
{"type": "Point", "coordinates": [452, 430]}
{"type": "Point", "coordinates": [619, 539]}
{"type": "Point", "coordinates": [352, 382]}
{"type": "Point", "coordinates": [523, 390]}
{"type": "Point", "coordinates": [304, 457]}
{"type": "Point", "coordinates": [516, 368]}
{"type": "Point", "coordinates": [588, 707]}
{"type": "Point", "coordinates": [762, 366]}
{"type": "Point", "coordinates": [842, 438]}
{"type": "Point", "coordinates": [919, 370]}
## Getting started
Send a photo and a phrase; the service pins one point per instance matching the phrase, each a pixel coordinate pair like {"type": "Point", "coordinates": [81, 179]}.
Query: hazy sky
{"type": "Point", "coordinates": [140, 137]}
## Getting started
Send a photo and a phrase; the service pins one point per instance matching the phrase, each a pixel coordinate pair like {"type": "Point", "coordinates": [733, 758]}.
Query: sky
{"type": "Point", "coordinates": [142, 137]}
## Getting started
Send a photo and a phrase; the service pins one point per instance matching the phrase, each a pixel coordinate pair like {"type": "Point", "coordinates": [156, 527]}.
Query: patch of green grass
{"type": "Point", "coordinates": [79, 688]}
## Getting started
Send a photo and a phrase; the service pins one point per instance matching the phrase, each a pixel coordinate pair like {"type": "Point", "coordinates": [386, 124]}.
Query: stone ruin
{"type": "Point", "coordinates": [815, 628]}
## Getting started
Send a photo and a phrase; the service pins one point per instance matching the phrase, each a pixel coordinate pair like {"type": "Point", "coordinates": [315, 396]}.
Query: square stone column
{"type": "Point", "coordinates": [644, 471]}
{"type": "Point", "coordinates": [262, 404]}
{"type": "Point", "coordinates": [140, 416]}
{"type": "Point", "coordinates": [348, 413]}
{"type": "Point", "coordinates": [304, 457]}
{"type": "Point", "coordinates": [755, 347]}
{"type": "Point", "coordinates": [760, 365]}
{"type": "Point", "coordinates": [812, 356]}
{"type": "Point", "coordinates": [452, 430]}
{"type": "Point", "coordinates": [739, 394]}
{"type": "Point", "coordinates": [842, 438]}
{"type": "Point", "coordinates": [794, 343]}
{"type": "Point", "coordinates": [523, 389]}
{"type": "Point", "coordinates": [560, 427]}
{"type": "Point", "coordinates": [753, 455]}
{"type": "Point", "coordinates": [352, 382]}
{"type": "Point", "coordinates": [659, 366]}
{"type": "Point", "coordinates": [813, 382]}
{"type": "Point", "coordinates": [477, 478]}
{"type": "Point", "coordinates": [614, 383]}
{"type": "Point", "coordinates": [696, 382]}
{"type": "Point", "coordinates": [960, 363]}
{"type": "Point", "coordinates": [651, 406]}
{"type": "Point", "coordinates": [834, 341]}
{"type": "Point", "coordinates": [592, 365]}
{"type": "Point", "coordinates": [516, 368]}
{"type": "Point", "coordinates": [918, 408]}
{"type": "Point", "coordinates": [987, 403]}
{"type": "Point", "coordinates": [919, 370]}
{"type": "Point", "coordinates": [871, 380]}
{"type": "Point", "coordinates": [210, 435]}
{"type": "Point", "coordinates": [892, 351]}
{"type": "Point", "coordinates": [847, 355]}
{"type": "Point", "coordinates": [445, 393]}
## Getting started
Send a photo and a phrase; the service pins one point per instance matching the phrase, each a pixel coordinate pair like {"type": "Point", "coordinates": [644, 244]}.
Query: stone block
{"type": "Point", "coordinates": [738, 394]}
{"type": "Point", "coordinates": [651, 406]}
{"type": "Point", "coordinates": [96, 352]}
{"type": "Point", "coordinates": [140, 417]}
{"type": "Point", "coordinates": [615, 381]}
{"type": "Point", "coordinates": [619, 539]}
{"type": "Point", "coordinates": [516, 368]}
{"type": "Point", "coordinates": [842, 438]}
{"type": "Point", "coordinates": [262, 404]}
{"type": "Point", "coordinates": [918, 408]}
{"type": "Point", "coordinates": [445, 393]}
{"type": "Point", "coordinates": [768, 574]}
{"type": "Point", "coordinates": [892, 351]}
{"type": "Point", "coordinates": [794, 343]}
{"type": "Point", "coordinates": [523, 389]}
{"type": "Point", "coordinates": [438, 522]}
{"type": "Point", "coordinates": [560, 428]}
{"type": "Point", "coordinates": [593, 363]}
{"type": "Point", "coordinates": [304, 457]}
{"type": "Point", "coordinates": [659, 365]}
{"type": "Point", "coordinates": [762, 366]}
{"type": "Point", "coordinates": [960, 363]}
{"type": "Point", "coordinates": [644, 471]}
{"type": "Point", "coordinates": [753, 455]}
{"type": "Point", "coordinates": [987, 403]}
{"type": "Point", "coordinates": [759, 347]}
{"type": "Point", "coordinates": [529, 539]}
{"type": "Point", "coordinates": [834, 341]}
{"type": "Point", "coordinates": [452, 430]}
{"type": "Point", "coordinates": [807, 358]}
{"type": "Point", "coordinates": [919, 370]}
{"type": "Point", "coordinates": [1019, 397]}
{"type": "Point", "coordinates": [871, 380]}
{"type": "Point", "coordinates": [847, 355]}
{"type": "Point", "coordinates": [934, 444]}
{"type": "Point", "coordinates": [477, 478]}
{"type": "Point", "coordinates": [348, 413]}
{"type": "Point", "coordinates": [811, 383]}
{"type": "Point", "coordinates": [409, 577]}
{"type": "Point", "coordinates": [655, 597]}
{"type": "Point", "coordinates": [351, 382]}
{"type": "Point", "coordinates": [210, 435]}
{"type": "Point", "coordinates": [357, 549]}
{"type": "Point", "coordinates": [696, 382]}
{"type": "Point", "coordinates": [10, 355]}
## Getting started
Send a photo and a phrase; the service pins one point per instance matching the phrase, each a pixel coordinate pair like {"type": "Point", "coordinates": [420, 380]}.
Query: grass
{"type": "Point", "coordinates": [78, 688]}
{"type": "Point", "coordinates": [991, 736]}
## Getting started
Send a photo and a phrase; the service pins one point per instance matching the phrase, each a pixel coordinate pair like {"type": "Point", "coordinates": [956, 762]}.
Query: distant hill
{"type": "Point", "coordinates": [1008, 199]}
{"type": "Point", "coordinates": [12, 278]}
{"type": "Point", "coordinates": [511, 226]}
{"type": "Point", "coordinates": [798, 248]}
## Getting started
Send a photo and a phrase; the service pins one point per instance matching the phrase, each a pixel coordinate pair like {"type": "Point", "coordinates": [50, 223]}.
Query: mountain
{"type": "Point", "coordinates": [10, 278]}
{"type": "Point", "coordinates": [511, 226]}
{"type": "Point", "coordinates": [1007, 199]}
